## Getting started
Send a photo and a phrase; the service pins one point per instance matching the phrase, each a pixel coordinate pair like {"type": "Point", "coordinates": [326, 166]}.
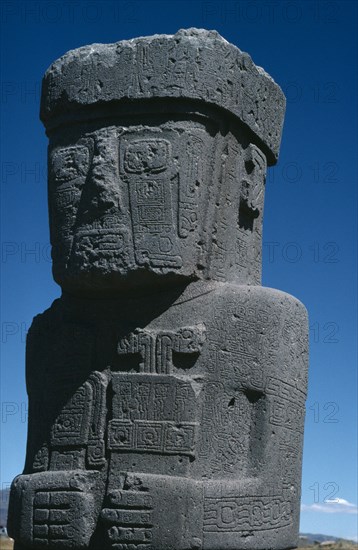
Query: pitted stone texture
{"type": "Point", "coordinates": [166, 388]}
{"type": "Point", "coordinates": [56, 508]}
{"type": "Point", "coordinates": [193, 64]}
{"type": "Point", "coordinates": [134, 204]}
{"type": "Point", "coordinates": [185, 418]}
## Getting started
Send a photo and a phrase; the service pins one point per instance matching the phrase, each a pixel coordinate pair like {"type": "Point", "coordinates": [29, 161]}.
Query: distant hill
{"type": "Point", "coordinates": [310, 539]}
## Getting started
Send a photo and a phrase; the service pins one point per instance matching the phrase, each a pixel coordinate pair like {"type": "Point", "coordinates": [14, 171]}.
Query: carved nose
{"type": "Point", "coordinates": [102, 186]}
{"type": "Point", "coordinates": [101, 197]}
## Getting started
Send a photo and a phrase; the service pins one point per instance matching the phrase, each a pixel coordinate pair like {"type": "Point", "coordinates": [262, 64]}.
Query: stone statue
{"type": "Point", "coordinates": [166, 386]}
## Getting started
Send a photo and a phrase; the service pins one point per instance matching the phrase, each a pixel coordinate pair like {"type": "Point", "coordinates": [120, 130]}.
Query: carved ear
{"type": "Point", "coordinates": [252, 187]}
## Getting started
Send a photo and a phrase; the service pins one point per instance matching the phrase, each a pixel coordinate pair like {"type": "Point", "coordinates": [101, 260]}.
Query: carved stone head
{"type": "Point", "coordinates": [157, 161]}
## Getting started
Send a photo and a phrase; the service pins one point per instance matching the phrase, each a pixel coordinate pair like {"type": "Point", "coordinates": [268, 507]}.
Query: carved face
{"type": "Point", "coordinates": [85, 206]}
{"type": "Point", "coordinates": [132, 204]}
{"type": "Point", "coordinates": [114, 208]}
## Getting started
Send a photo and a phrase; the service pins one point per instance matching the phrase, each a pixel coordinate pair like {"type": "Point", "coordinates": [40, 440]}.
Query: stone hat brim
{"type": "Point", "coordinates": [193, 64]}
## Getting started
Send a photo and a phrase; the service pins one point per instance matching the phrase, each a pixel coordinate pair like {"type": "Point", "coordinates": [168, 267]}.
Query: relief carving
{"type": "Point", "coordinates": [166, 385]}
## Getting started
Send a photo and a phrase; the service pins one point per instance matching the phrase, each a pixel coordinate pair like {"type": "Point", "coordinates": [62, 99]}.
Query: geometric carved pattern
{"type": "Point", "coordinates": [129, 520]}
{"type": "Point", "coordinates": [59, 519]}
{"type": "Point", "coordinates": [146, 167]}
{"type": "Point", "coordinates": [156, 347]}
{"type": "Point", "coordinates": [71, 425]}
{"type": "Point", "coordinates": [229, 514]}
{"type": "Point", "coordinates": [148, 397]}
{"type": "Point", "coordinates": [157, 437]}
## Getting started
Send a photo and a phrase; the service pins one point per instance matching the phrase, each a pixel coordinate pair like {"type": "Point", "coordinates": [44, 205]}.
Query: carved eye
{"type": "Point", "coordinates": [69, 163]}
{"type": "Point", "coordinates": [249, 166]}
{"type": "Point", "coordinates": [147, 156]}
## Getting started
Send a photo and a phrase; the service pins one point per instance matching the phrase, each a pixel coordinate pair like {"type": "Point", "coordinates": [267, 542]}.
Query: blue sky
{"type": "Point", "coordinates": [309, 48]}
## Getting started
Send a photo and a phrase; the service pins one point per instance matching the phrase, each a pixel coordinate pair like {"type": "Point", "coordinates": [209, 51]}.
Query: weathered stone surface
{"type": "Point", "coordinates": [166, 387]}
{"type": "Point", "coordinates": [192, 64]}
{"type": "Point", "coordinates": [160, 201]}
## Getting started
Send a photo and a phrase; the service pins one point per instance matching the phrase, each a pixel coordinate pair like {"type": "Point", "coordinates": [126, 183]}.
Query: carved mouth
{"type": "Point", "coordinates": [103, 234]}
{"type": "Point", "coordinates": [97, 232]}
{"type": "Point", "coordinates": [105, 224]}
{"type": "Point", "coordinates": [100, 239]}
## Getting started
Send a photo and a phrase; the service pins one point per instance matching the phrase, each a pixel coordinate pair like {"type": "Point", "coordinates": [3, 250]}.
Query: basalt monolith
{"type": "Point", "coordinates": [166, 386]}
